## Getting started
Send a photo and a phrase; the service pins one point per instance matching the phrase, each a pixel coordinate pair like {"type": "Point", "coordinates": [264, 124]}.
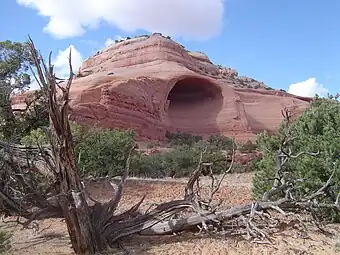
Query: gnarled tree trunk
{"type": "Point", "coordinates": [70, 195]}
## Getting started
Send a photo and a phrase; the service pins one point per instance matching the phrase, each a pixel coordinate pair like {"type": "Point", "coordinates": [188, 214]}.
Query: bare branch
{"type": "Point", "coordinates": [225, 173]}
{"type": "Point", "coordinates": [322, 190]}
{"type": "Point", "coordinates": [189, 190]}
{"type": "Point", "coordinates": [112, 205]}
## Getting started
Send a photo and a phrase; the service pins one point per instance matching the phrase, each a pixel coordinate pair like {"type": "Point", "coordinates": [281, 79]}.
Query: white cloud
{"type": "Point", "coordinates": [191, 19]}
{"type": "Point", "coordinates": [61, 65]}
{"type": "Point", "coordinates": [110, 41]}
{"type": "Point", "coordinates": [308, 88]}
{"type": "Point", "coordinates": [119, 37]}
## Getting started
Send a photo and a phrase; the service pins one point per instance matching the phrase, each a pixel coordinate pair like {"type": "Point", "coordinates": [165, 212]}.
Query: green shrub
{"type": "Point", "coordinates": [179, 161]}
{"type": "Point", "coordinates": [182, 160]}
{"type": "Point", "coordinates": [174, 139]}
{"type": "Point", "coordinates": [36, 136]}
{"type": "Point", "coordinates": [151, 166]}
{"type": "Point", "coordinates": [264, 175]}
{"type": "Point", "coordinates": [220, 142]}
{"type": "Point", "coordinates": [249, 146]}
{"type": "Point", "coordinates": [99, 152]}
{"type": "Point", "coordinates": [152, 145]}
{"type": "Point", "coordinates": [80, 132]}
{"type": "Point", "coordinates": [317, 130]}
{"type": "Point", "coordinates": [104, 152]}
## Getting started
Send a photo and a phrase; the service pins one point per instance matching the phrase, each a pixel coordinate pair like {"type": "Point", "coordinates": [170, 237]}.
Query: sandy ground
{"type": "Point", "coordinates": [52, 237]}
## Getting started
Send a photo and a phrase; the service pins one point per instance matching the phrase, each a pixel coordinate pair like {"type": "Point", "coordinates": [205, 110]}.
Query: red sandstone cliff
{"type": "Point", "coordinates": [153, 85]}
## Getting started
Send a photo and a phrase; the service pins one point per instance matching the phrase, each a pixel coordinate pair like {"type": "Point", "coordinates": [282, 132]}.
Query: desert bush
{"type": "Point", "coordinates": [174, 139]}
{"type": "Point", "coordinates": [5, 243]}
{"type": "Point", "coordinates": [180, 161]}
{"type": "Point", "coordinates": [36, 136]}
{"type": "Point", "coordinates": [39, 136]}
{"type": "Point", "coordinates": [220, 142]}
{"type": "Point", "coordinates": [151, 166]}
{"type": "Point", "coordinates": [152, 145]}
{"type": "Point", "coordinates": [104, 152]}
{"type": "Point", "coordinates": [247, 147]}
{"type": "Point", "coordinates": [80, 132]}
{"type": "Point", "coordinates": [239, 168]}
{"type": "Point", "coordinates": [99, 152]}
{"type": "Point", "coordinates": [317, 130]}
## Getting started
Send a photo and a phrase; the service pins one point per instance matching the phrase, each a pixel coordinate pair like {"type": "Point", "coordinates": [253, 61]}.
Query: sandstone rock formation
{"type": "Point", "coordinates": [152, 85]}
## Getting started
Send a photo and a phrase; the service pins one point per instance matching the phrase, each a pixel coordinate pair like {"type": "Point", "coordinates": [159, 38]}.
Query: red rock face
{"type": "Point", "coordinates": [153, 85]}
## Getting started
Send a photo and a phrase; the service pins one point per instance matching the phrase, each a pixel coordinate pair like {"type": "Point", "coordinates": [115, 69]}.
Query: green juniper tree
{"type": "Point", "coordinates": [14, 77]}
{"type": "Point", "coordinates": [315, 136]}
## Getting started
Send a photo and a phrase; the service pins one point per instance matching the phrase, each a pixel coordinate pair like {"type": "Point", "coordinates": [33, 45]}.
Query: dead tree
{"type": "Point", "coordinates": [91, 229]}
{"type": "Point", "coordinates": [70, 194]}
{"type": "Point", "coordinates": [94, 226]}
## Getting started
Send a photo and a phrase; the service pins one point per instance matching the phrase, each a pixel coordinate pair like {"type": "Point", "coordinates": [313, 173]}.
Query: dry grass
{"type": "Point", "coordinates": [52, 237]}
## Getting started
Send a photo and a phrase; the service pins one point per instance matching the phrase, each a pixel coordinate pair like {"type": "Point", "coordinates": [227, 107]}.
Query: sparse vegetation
{"type": "Point", "coordinates": [221, 142]}
{"type": "Point", "coordinates": [316, 132]}
{"type": "Point", "coordinates": [98, 152]}
{"type": "Point", "coordinates": [104, 152]}
{"type": "Point", "coordinates": [247, 147]}
{"type": "Point", "coordinates": [152, 145]}
{"type": "Point", "coordinates": [181, 159]}
{"type": "Point", "coordinates": [178, 161]}
{"type": "Point", "coordinates": [181, 138]}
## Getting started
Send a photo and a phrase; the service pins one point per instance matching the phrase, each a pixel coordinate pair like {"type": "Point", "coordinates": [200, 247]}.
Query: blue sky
{"type": "Point", "coordinates": [279, 42]}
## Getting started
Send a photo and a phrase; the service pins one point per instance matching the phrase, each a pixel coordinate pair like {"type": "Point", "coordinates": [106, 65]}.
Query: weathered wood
{"type": "Point", "coordinates": [71, 198]}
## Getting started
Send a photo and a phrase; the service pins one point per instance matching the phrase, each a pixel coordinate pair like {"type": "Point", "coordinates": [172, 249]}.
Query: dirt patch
{"type": "Point", "coordinates": [52, 236]}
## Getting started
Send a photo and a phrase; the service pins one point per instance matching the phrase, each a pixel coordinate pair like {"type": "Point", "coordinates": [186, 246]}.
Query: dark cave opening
{"type": "Point", "coordinates": [194, 104]}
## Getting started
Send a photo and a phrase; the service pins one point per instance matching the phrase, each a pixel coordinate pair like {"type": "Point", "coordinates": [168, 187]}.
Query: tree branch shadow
{"type": "Point", "coordinates": [62, 239]}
